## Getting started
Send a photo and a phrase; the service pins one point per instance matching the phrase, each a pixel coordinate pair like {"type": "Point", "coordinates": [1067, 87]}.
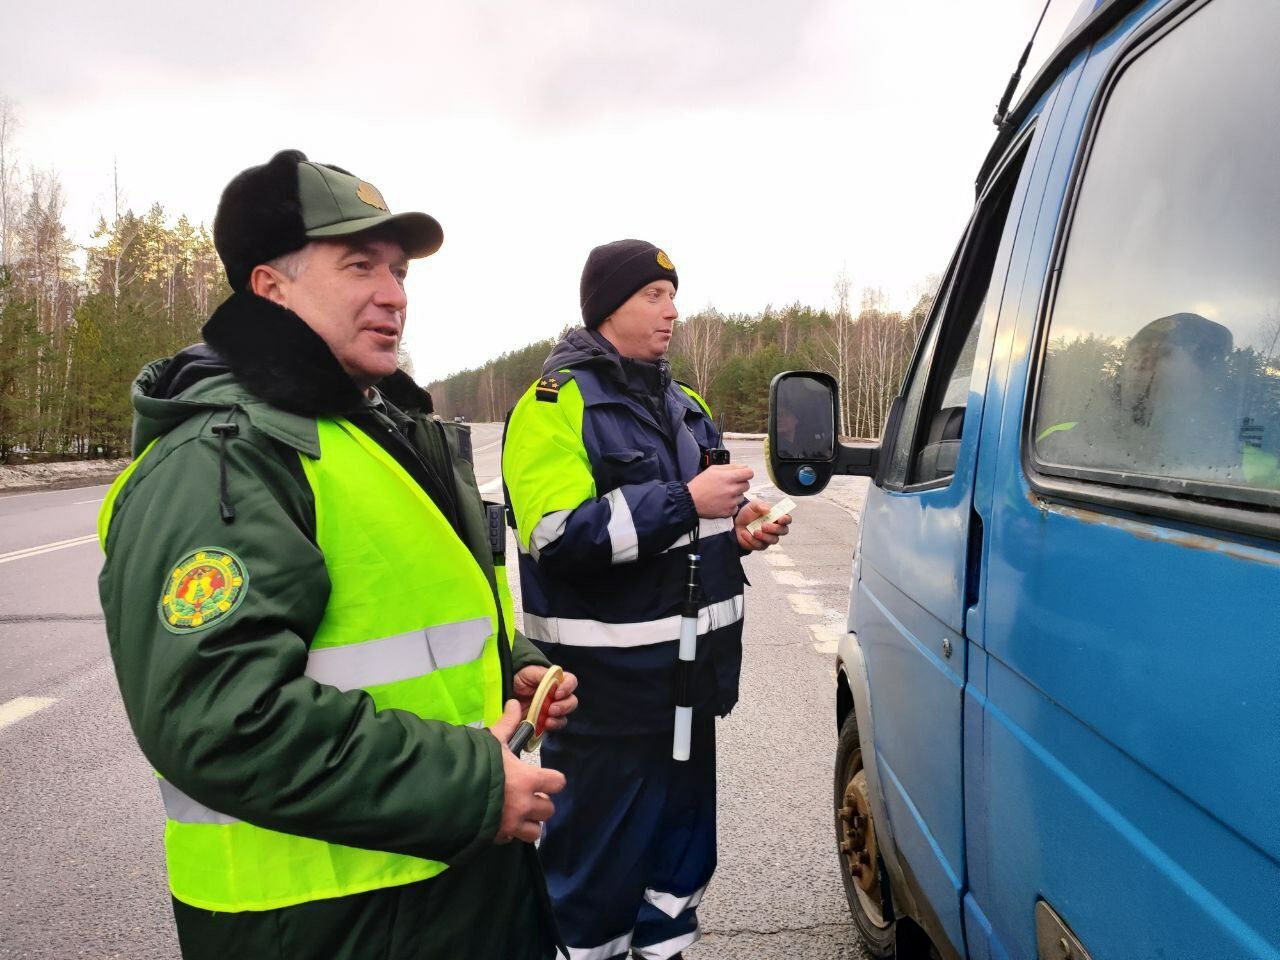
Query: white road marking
{"type": "Point", "coordinates": [826, 638]}
{"type": "Point", "coordinates": [20, 707]}
{"type": "Point", "coordinates": [46, 548]}
{"type": "Point", "coordinates": [33, 493]}
{"type": "Point", "coordinates": [493, 486]}
{"type": "Point", "coordinates": [776, 558]}
{"type": "Point", "coordinates": [806, 604]}
{"type": "Point", "coordinates": [789, 578]}
{"type": "Point", "coordinates": [76, 503]}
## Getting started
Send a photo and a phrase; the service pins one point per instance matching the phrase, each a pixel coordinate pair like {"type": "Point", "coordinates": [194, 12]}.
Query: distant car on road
{"type": "Point", "coordinates": [1058, 695]}
{"type": "Point", "coordinates": [459, 419]}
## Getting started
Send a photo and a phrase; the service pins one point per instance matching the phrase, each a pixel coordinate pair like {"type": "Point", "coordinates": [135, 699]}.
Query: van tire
{"type": "Point", "coordinates": [856, 848]}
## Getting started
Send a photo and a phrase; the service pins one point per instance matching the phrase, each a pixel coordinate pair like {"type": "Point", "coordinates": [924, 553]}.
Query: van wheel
{"type": "Point", "coordinates": [856, 845]}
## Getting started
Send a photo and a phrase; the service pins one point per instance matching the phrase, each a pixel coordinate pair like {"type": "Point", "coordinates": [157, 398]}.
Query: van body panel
{"type": "Point", "coordinates": [914, 745]}
{"type": "Point", "coordinates": [915, 690]}
{"type": "Point", "coordinates": [1130, 715]}
{"type": "Point", "coordinates": [1134, 867]}
{"type": "Point", "coordinates": [1104, 733]}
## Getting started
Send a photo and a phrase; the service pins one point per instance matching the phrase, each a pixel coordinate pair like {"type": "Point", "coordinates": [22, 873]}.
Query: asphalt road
{"type": "Point", "coordinates": [81, 862]}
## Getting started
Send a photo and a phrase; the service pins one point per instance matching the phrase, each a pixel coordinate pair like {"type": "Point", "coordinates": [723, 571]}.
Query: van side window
{"type": "Point", "coordinates": [927, 445]}
{"type": "Point", "coordinates": [1161, 362]}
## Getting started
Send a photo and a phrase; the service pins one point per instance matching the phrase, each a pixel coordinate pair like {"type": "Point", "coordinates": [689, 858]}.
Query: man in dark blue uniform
{"type": "Point", "coordinates": [606, 465]}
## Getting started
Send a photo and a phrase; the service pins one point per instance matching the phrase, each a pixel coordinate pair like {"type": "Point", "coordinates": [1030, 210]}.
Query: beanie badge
{"type": "Point", "coordinates": [368, 193]}
{"type": "Point", "coordinates": [664, 261]}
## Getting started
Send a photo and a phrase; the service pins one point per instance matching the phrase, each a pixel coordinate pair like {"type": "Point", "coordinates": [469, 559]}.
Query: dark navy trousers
{"type": "Point", "coordinates": [632, 845]}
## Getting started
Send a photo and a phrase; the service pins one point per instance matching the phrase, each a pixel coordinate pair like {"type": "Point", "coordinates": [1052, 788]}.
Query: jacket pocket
{"type": "Point", "coordinates": [618, 467]}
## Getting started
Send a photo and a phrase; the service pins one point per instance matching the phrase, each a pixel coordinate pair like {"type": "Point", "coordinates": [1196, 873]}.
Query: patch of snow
{"type": "Point", "coordinates": [72, 473]}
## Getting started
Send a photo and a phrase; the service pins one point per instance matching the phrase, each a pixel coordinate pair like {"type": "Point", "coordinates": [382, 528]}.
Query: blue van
{"type": "Point", "coordinates": [1059, 698]}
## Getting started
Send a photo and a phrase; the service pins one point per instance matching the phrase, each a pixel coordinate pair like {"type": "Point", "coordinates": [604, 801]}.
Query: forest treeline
{"type": "Point", "coordinates": [730, 359]}
{"type": "Point", "coordinates": [74, 331]}
{"type": "Point", "coordinates": [78, 323]}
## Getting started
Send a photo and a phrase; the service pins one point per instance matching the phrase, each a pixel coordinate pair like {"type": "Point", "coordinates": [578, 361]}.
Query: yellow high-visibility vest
{"type": "Point", "coordinates": [411, 620]}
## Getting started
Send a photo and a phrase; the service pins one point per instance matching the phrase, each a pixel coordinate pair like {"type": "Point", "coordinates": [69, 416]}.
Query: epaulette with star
{"type": "Point", "coordinates": [548, 389]}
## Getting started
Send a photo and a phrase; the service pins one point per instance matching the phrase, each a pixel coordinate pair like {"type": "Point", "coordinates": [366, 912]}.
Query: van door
{"type": "Point", "coordinates": [1130, 761]}
{"type": "Point", "coordinates": [914, 588]}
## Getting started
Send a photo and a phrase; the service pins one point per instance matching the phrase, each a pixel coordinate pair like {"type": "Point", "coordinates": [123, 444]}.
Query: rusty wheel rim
{"type": "Point", "coordinates": [858, 846]}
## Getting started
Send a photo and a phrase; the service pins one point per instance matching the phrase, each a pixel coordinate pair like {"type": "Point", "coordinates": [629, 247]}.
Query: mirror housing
{"type": "Point", "coordinates": [805, 453]}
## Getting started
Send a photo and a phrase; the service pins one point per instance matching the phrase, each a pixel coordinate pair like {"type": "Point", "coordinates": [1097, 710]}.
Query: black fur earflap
{"type": "Point", "coordinates": [259, 217]}
{"type": "Point", "coordinates": [279, 358]}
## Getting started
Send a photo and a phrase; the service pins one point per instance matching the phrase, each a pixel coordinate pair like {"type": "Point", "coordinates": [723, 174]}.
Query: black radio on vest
{"type": "Point", "coordinates": [714, 456]}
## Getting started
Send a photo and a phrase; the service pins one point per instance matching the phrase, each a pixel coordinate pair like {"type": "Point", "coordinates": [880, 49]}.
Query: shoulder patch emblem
{"type": "Point", "coordinates": [202, 588]}
{"type": "Point", "coordinates": [548, 389]}
{"type": "Point", "coordinates": [664, 261]}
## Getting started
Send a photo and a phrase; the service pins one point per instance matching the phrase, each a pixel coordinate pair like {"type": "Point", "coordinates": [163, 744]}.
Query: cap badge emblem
{"type": "Point", "coordinates": [664, 261]}
{"type": "Point", "coordinates": [370, 195]}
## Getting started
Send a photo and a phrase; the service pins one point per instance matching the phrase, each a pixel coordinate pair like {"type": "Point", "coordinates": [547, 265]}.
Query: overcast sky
{"type": "Point", "coordinates": [765, 145]}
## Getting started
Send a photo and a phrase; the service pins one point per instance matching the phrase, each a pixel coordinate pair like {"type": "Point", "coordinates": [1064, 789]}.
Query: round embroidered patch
{"type": "Point", "coordinates": [664, 261]}
{"type": "Point", "coordinates": [201, 589]}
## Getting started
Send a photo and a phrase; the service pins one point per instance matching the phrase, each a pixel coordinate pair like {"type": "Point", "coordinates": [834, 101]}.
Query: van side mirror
{"type": "Point", "coordinates": [803, 449]}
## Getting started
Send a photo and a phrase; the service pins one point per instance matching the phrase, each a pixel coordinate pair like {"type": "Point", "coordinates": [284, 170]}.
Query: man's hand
{"type": "Point", "coordinates": [526, 685]}
{"type": "Point", "coordinates": [767, 535]}
{"type": "Point", "coordinates": [525, 802]}
{"type": "Point", "coordinates": [718, 490]}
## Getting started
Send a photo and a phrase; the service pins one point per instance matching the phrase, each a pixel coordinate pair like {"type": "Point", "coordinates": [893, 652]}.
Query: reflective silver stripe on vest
{"type": "Point", "coordinates": [178, 806]}
{"type": "Point", "coordinates": [672, 905]}
{"type": "Point", "coordinates": [549, 529]}
{"type": "Point", "coordinates": [622, 529]}
{"type": "Point", "coordinates": [401, 657]}
{"type": "Point", "coordinates": [706, 530]}
{"type": "Point", "coordinates": [604, 951]}
{"type": "Point", "coordinates": [596, 633]}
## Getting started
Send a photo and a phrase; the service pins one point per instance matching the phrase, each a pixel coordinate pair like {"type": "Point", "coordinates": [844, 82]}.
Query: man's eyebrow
{"type": "Point", "coordinates": [360, 249]}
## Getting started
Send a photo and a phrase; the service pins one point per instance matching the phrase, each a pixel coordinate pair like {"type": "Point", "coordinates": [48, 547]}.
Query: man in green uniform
{"type": "Point", "coordinates": [308, 612]}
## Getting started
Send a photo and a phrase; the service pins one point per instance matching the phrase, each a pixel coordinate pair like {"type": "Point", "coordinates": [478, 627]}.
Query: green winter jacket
{"type": "Point", "coordinates": [225, 712]}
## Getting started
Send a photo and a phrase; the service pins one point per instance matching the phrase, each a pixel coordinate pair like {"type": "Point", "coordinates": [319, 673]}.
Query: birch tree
{"type": "Point", "coordinates": [699, 339]}
{"type": "Point", "coordinates": [8, 178]}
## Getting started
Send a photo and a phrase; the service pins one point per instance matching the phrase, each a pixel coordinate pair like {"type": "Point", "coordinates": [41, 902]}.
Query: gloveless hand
{"type": "Point", "coordinates": [526, 685]}
{"type": "Point", "coordinates": [768, 533]}
{"type": "Point", "coordinates": [718, 490]}
{"type": "Point", "coordinates": [526, 803]}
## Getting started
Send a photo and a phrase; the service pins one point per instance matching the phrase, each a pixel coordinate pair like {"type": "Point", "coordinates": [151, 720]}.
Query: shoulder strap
{"type": "Point", "coordinates": [548, 388]}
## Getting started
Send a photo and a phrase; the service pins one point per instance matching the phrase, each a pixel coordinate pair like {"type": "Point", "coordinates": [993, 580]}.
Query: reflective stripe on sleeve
{"type": "Point", "coordinates": [178, 806]}
{"type": "Point", "coordinates": [596, 633]}
{"type": "Point", "coordinates": [602, 952]}
{"type": "Point", "coordinates": [548, 531]}
{"type": "Point", "coordinates": [672, 905]}
{"type": "Point", "coordinates": [401, 657]}
{"type": "Point", "coordinates": [706, 530]}
{"type": "Point", "coordinates": [622, 529]}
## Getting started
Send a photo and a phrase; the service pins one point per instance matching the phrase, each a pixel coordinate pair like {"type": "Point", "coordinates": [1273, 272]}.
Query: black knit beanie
{"type": "Point", "coordinates": [614, 271]}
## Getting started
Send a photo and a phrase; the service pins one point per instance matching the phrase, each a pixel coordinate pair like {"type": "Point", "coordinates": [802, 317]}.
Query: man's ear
{"type": "Point", "coordinates": [269, 283]}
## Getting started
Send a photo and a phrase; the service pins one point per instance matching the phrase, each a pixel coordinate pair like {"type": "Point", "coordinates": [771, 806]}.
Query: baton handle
{"type": "Point", "coordinates": [687, 653]}
{"type": "Point", "coordinates": [519, 739]}
{"type": "Point", "coordinates": [684, 687]}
